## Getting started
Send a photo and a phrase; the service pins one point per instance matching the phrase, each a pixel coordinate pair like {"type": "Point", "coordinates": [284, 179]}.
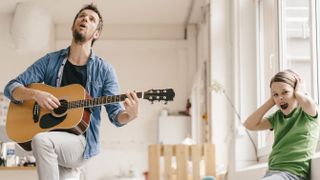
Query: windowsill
{"type": "Point", "coordinates": [256, 171]}
{"type": "Point", "coordinates": [254, 167]}
{"type": "Point", "coordinates": [316, 155]}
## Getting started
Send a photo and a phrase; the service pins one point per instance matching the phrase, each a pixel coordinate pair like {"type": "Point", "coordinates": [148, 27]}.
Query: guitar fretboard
{"type": "Point", "coordinates": [87, 103]}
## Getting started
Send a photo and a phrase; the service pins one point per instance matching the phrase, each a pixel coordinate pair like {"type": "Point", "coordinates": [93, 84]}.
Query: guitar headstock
{"type": "Point", "coordinates": [159, 95]}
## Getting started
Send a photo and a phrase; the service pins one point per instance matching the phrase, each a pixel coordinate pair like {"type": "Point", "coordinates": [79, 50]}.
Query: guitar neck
{"type": "Point", "coordinates": [103, 100]}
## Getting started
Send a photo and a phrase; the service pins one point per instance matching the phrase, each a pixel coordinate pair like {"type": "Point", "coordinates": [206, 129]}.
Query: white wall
{"type": "Point", "coordinates": [233, 63]}
{"type": "Point", "coordinates": [222, 72]}
{"type": "Point", "coordinates": [12, 61]}
{"type": "Point", "coordinates": [247, 76]}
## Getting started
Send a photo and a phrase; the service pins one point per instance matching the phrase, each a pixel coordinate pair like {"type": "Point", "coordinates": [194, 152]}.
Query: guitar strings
{"type": "Point", "coordinates": [94, 101]}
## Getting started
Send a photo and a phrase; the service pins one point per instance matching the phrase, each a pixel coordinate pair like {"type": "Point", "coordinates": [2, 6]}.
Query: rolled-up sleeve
{"type": "Point", "coordinates": [111, 87]}
{"type": "Point", "coordinates": [33, 74]}
{"type": "Point", "coordinates": [8, 90]}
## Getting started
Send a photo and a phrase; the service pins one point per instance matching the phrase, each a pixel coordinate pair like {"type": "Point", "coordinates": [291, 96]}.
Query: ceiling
{"type": "Point", "coordinates": [120, 11]}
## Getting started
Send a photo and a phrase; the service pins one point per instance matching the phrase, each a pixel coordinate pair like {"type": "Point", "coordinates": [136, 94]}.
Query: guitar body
{"type": "Point", "coordinates": [27, 119]}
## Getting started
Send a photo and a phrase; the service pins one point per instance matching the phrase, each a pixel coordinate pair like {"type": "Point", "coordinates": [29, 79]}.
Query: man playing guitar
{"type": "Point", "coordinates": [58, 153]}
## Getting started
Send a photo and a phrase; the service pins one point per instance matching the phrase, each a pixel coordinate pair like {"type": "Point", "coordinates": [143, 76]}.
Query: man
{"type": "Point", "coordinates": [59, 153]}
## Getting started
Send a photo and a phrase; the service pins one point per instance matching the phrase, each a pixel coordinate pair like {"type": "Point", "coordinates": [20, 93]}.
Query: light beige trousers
{"type": "Point", "coordinates": [58, 155]}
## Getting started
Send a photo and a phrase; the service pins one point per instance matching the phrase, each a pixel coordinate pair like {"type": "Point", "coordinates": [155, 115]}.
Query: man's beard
{"type": "Point", "coordinates": [78, 37]}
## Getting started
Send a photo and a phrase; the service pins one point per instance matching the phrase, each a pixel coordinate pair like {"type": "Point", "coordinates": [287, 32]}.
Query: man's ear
{"type": "Point", "coordinates": [96, 34]}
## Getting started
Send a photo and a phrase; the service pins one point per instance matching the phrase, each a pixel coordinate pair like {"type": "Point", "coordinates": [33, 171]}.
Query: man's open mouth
{"type": "Point", "coordinates": [82, 26]}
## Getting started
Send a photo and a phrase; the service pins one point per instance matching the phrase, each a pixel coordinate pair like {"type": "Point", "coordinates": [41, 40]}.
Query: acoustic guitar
{"type": "Point", "coordinates": [73, 115]}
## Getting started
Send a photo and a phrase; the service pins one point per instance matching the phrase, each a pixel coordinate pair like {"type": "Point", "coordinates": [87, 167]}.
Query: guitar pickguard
{"type": "Point", "coordinates": [49, 121]}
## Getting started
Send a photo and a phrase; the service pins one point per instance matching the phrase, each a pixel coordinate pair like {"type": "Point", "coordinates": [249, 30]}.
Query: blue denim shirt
{"type": "Point", "coordinates": [101, 81]}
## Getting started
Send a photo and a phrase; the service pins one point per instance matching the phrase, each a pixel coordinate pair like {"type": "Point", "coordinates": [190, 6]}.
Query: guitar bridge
{"type": "Point", "coordinates": [36, 112]}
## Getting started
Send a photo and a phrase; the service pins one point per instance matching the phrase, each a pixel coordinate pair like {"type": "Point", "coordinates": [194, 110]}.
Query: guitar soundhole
{"type": "Point", "coordinates": [62, 108]}
{"type": "Point", "coordinates": [58, 116]}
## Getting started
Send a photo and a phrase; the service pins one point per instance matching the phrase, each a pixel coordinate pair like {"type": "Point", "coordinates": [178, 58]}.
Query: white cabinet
{"type": "Point", "coordinates": [173, 129]}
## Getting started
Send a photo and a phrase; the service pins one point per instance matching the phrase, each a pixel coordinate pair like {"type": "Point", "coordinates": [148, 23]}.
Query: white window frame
{"type": "Point", "coordinates": [263, 149]}
{"type": "Point", "coordinates": [314, 13]}
{"type": "Point", "coordinates": [315, 5]}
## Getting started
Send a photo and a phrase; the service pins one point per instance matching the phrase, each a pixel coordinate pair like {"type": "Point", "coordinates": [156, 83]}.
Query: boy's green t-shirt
{"type": "Point", "coordinates": [295, 141]}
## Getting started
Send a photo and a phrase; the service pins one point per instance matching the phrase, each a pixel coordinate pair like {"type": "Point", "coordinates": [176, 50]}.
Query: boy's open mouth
{"type": "Point", "coordinates": [284, 106]}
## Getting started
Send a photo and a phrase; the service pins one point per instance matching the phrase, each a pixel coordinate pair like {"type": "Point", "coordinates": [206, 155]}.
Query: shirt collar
{"type": "Point", "coordinates": [65, 52]}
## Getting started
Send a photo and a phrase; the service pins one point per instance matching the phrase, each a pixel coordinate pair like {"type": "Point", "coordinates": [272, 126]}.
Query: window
{"type": "Point", "coordinates": [286, 28]}
{"type": "Point", "coordinates": [295, 39]}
